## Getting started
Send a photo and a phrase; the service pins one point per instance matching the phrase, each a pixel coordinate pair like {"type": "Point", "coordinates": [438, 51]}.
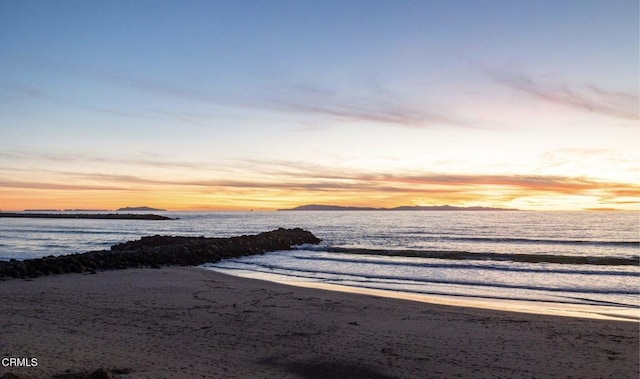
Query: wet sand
{"type": "Point", "coordinates": [183, 322]}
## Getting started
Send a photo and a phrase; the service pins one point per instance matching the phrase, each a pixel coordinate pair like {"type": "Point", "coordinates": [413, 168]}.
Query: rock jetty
{"type": "Point", "coordinates": [157, 251]}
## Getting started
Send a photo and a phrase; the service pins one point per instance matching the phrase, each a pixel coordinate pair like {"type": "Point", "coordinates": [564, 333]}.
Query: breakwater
{"type": "Point", "coordinates": [88, 216]}
{"type": "Point", "coordinates": [157, 251]}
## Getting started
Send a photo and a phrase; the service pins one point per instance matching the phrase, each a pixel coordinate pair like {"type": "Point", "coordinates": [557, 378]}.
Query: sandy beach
{"type": "Point", "coordinates": [181, 322]}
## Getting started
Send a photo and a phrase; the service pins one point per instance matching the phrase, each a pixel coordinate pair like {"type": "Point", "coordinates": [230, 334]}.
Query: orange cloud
{"type": "Point", "coordinates": [286, 187]}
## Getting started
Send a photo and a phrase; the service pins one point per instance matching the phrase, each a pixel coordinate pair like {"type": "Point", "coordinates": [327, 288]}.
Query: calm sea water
{"type": "Point", "coordinates": [588, 258]}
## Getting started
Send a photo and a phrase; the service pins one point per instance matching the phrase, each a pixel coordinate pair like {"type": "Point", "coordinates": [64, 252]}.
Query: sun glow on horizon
{"type": "Point", "coordinates": [289, 189]}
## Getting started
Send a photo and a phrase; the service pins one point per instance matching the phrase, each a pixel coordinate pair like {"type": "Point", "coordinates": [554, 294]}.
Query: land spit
{"type": "Point", "coordinates": [86, 216]}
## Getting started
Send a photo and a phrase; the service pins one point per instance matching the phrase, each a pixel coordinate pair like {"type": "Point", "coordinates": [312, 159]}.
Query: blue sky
{"type": "Point", "coordinates": [262, 104]}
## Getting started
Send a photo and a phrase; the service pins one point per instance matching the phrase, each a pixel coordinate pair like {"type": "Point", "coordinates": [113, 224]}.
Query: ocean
{"type": "Point", "coordinates": [557, 258]}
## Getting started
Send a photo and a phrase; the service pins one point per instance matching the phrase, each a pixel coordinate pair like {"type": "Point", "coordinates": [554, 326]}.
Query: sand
{"type": "Point", "coordinates": [184, 322]}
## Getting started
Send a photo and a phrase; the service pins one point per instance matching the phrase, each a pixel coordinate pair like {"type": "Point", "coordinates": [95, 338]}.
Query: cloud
{"type": "Point", "coordinates": [324, 180]}
{"type": "Point", "coordinates": [550, 184]}
{"type": "Point", "coordinates": [466, 183]}
{"type": "Point", "coordinates": [57, 186]}
{"type": "Point", "coordinates": [158, 88]}
{"type": "Point", "coordinates": [377, 104]}
{"type": "Point", "coordinates": [312, 100]}
{"type": "Point", "coordinates": [290, 176]}
{"type": "Point", "coordinates": [372, 107]}
{"type": "Point", "coordinates": [306, 99]}
{"type": "Point", "coordinates": [590, 98]}
{"type": "Point", "coordinates": [19, 92]}
{"type": "Point", "coordinates": [282, 185]}
{"type": "Point", "coordinates": [148, 160]}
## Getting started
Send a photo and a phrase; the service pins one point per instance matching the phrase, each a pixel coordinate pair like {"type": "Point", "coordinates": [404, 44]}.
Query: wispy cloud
{"type": "Point", "coordinates": [550, 184]}
{"type": "Point", "coordinates": [159, 88]}
{"type": "Point", "coordinates": [590, 97]}
{"type": "Point", "coordinates": [20, 92]}
{"type": "Point", "coordinates": [381, 107]}
{"type": "Point", "coordinates": [58, 186]}
{"type": "Point", "coordinates": [141, 160]}
{"type": "Point", "coordinates": [14, 92]}
{"type": "Point", "coordinates": [313, 100]}
{"type": "Point", "coordinates": [400, 183]}
{"type": "Point", "coordinates": [289, 177]}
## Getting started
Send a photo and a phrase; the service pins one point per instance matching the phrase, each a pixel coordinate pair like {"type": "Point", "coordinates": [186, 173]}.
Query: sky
{"type": "Point", "coordinates": [238, 105]}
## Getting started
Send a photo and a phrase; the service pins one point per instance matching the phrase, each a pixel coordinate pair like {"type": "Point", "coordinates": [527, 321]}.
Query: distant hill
{"type": "Point", "coordinates": [316, 207]}
{"type": "Point", "coordinates": [448, 208]}
{"type": "Point", "coordinates": [86, 210]}
{"type": "Point", "coordinates": [140, 209]}
{"type": "Point", "coordinates": [85, 216]}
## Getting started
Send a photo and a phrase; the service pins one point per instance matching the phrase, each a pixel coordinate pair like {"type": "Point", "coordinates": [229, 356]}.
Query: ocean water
{"type": "Point", "coordinates": [564, 258]}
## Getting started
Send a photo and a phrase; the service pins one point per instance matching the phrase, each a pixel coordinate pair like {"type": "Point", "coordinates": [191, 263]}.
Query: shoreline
{"type": "Point", "coordinates": [177, 322]}
{"type": "Point", "coordinates": [507, 305]}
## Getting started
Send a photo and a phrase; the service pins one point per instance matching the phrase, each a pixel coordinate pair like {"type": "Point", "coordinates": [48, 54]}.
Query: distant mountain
{"type": "Point", "coordinates": [448, 208]}
{"type": "Point", "coordinates": [86, 210]}
{"type": "Point", "coordinates": [316, 207]}
{"type": "Point", "coordinates": [140, 209]}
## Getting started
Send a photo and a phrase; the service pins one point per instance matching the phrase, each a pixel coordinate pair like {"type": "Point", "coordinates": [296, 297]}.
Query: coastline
{"type": "Point", "coordinates": [189, 322]}
{"type": "Point", "coordinates": [507, 305]}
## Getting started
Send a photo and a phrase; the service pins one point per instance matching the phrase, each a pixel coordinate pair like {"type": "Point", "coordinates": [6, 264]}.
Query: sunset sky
{"type": "Point", "coordinates": [198, 105]}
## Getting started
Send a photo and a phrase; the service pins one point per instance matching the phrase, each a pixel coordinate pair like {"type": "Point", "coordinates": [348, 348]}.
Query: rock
{"type": "Point", "coordinates": [157, 251]}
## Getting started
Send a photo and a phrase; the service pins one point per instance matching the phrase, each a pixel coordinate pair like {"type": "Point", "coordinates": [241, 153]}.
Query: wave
{"type": "Point", "coordinates": [55, 246]}
{"type": "Point", "coordinates": [546, 241]}
{"type": "Point", "coordinates": [467, 255]}
{"type": "Point", "coordinates": [519, 240]}
{"type": "Point", "coordinates": [422, 292]}
{"type": "Point", "coordinates": [400, 280]}
{"type": "Point", "coordinates": [459, 266]}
